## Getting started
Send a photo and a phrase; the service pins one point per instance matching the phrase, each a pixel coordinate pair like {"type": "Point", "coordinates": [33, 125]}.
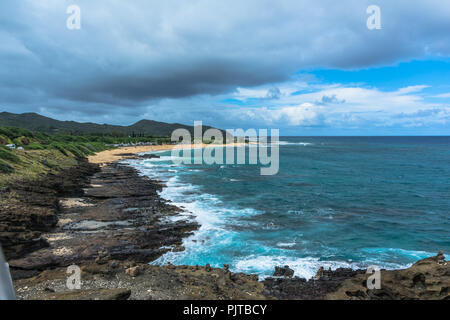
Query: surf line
{"type": "Point", "coordinates": [258, 152]}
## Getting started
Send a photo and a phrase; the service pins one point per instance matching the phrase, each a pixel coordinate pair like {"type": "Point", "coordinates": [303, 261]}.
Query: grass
{"type": "Point", "coordinates": [7, 155]}
{"type": "Point", "coordinates": [33, 163]}
{"type": "Point", "coordinates": [5, 167]}
{"type": "Point", "coordinates": [43, 153]}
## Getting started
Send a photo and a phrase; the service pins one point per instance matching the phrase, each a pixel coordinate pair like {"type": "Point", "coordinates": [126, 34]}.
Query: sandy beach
{"type": "Point", "coordinates": [109, 156]}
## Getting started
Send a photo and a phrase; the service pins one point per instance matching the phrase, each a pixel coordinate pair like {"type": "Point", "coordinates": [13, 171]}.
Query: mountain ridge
{"type": "Point", "coordinates": [35, 122]}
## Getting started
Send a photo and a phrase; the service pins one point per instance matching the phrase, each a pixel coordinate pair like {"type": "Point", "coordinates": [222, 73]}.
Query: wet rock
{"type": "Point", "coordinates": [137, 156]}
{"type": "Point", "coordinates": [319, 273]}
{"type": "Point", "coordinates": [149, 156]}
{"type": "Point", "coordinates": [178, 249]}
{"type": "Point", "coordinates": [285, 272]}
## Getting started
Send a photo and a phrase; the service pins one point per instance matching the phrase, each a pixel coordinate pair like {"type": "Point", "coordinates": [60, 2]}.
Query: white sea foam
{"type": "Point", "coordinates": [213, 217]}
{"type": "Point", "coordinates": [286, 244]}
{"type": "Point", "coordinates": [307, 267]}
{"type": "Point", "coordinates": [215, 234]}
{"type": "Point", "coordinates": [288, 143]}
{"type": "Point", "coordinates": [164, 159]}
{"type": "Point", "coordinates": [303, 267]}
{"type": "Point", "coordinates": [416, 255]}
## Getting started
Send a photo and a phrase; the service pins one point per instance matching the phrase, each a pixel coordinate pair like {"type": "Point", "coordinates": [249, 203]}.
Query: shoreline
{"type": "Point", "coordinates": [121, 153]}
{"type": "Point", "coordinates": [115, 224]}
{"type": "Point", "coordinates": [112, 232]}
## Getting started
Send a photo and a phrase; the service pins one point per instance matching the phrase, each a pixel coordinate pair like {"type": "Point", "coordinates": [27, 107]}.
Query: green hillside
{"type": "Point", "coordinates": [38, 123]}
{"type": "Point", "coordinates": [31, 152]}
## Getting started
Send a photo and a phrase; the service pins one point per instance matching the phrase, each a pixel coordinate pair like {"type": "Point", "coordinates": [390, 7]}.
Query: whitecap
{"type": "Point", "coordinates": [286, 244]}
{"type": "Point", "coordinates": [306, 268]}
{"type": "Point", "coordinates": [411, 254]}
{"type": "Point", "coordinates": [288, 143]}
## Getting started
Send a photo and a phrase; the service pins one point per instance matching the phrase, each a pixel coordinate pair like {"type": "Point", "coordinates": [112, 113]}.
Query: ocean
{"type": "Point", "coordinates": [336, 202]}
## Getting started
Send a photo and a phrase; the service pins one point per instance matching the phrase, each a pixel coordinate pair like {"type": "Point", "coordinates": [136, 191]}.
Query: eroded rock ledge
{"type": "Point", "coordinates": [118, 215]}
{"type": "Point", "coordinates": [30, 208]}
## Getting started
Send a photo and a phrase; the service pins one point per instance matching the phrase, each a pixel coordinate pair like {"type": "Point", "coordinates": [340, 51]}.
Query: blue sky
{"type": "Point", "coordinates": [417, 95]}
{"type": "Point", "coordinates": [304, 67]}
{"type": "Point", "coordinates": [432, 71]}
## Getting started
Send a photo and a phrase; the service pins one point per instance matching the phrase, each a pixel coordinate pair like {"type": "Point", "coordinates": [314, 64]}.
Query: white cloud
{"type": "Point", "coordinates": [348, 107]}
{"type": "Point", "coordinates": [305, 114]}
{"type": "Point", "coordinates": [443, 95]}
{"type": "Point", "coordinates": [412, 89]}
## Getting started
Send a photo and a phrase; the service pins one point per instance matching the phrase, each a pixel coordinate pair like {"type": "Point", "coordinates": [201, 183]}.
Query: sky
{"type": "Point", "coordinates": [304, 67]}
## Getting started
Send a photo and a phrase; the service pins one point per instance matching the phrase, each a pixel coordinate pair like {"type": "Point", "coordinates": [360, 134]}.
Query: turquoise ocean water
{"type": "Point", "coordinates": [336, 202]}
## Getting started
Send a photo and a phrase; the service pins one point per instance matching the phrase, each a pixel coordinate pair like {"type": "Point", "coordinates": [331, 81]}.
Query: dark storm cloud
{"type": "Point", "coordinates": [130, 54]}
{"type": "Point", "coordinates": [212, 77]}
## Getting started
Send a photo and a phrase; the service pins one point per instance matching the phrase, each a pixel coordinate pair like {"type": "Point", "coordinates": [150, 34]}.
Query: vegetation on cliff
{"type": "Point", "coordinates": [40, 152]}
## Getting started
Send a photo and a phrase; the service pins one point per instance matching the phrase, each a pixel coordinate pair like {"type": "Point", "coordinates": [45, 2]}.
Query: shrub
{"type": "Point", "coordinates": [5, 168]}
{"type": "Point", "coordinates": [74, 150]}
{"type": "Point", "coordinates": [3, 140]}
{"type": "Point", "coordinates": [35, 146]}
{"type": "Point", "coordinates": [86, 151]}
{"type": "Point", "coordinates": [43, 137]}
{"type": "Point", "coordinates": [58, 147]}
{"type": "Point", "coordinates": [13, 133]}
{"type": "Point", "coordinates": [7, 155]}
{"type": "Point", "coordinates": [24, 141]}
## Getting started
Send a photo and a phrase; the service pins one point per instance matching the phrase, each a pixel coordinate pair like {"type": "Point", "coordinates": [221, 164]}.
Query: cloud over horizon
{"type": "Point", "coordinates": [177, 60]}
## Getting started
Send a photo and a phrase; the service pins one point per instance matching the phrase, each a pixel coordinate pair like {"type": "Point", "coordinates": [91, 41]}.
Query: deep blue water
{"type": "Point", "coordinates": [336, 201]}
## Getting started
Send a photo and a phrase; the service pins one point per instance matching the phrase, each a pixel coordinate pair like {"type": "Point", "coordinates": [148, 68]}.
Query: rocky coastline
{"type": "Point", "coordinates": [111, 223]}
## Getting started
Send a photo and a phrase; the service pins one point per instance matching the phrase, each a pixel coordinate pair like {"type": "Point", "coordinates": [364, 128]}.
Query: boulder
{"type": "Point", "coordinates": [133, 271]}
{"type": "Point", "coordinates": [285, 272]}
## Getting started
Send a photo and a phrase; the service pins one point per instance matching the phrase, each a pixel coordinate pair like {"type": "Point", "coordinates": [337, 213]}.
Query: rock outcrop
{"type": "Point", "coordinates": [302, 289]}
{"type": "Point", "coordinates": [285, 272]}
{"type": "Point", "coordinates": [151, 282]}
{"type": "Point", "coordinates": [30, 208]}
{"type": "Point", "coordinates": [427, 279]}
{"type": "Point", "coordinates": [119, 215]}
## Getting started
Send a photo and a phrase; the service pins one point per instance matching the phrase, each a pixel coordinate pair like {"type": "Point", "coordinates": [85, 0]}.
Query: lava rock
{"type": "Point", "coordinates": [285, 272]}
